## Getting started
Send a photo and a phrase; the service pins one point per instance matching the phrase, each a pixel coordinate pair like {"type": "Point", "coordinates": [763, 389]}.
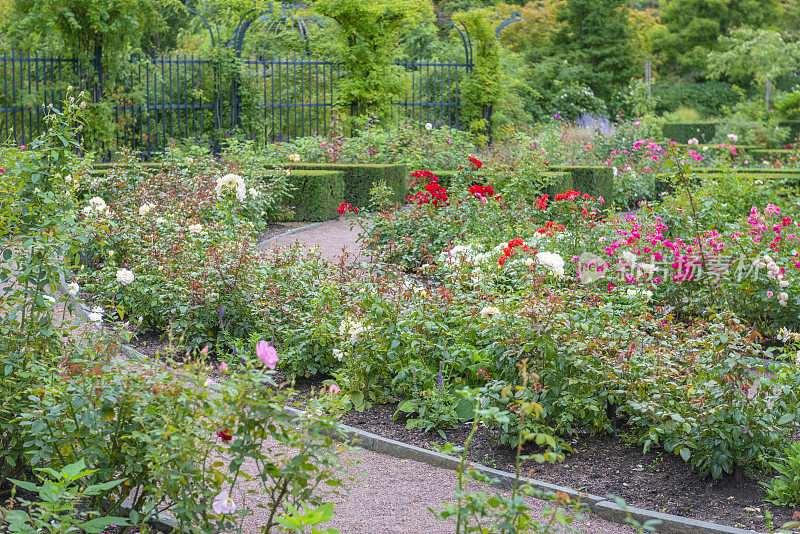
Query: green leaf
{"type": "Point", "coordinates": [686, 454]}
{"type": "Point", "coordinates": [786, 418]}
{"type": "Point", "coordinates": [25, 485]}
{"type": "Point", "coordinates": [94, 526]}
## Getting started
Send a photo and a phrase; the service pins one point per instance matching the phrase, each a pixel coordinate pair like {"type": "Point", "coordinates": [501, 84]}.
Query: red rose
{"type": "Point", "coordinates": [475, 161]}
{"type": "Point", "coordinates": [225, 435]}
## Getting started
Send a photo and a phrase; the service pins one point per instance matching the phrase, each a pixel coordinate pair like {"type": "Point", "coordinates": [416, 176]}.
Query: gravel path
{"type": "Point", "coordinates": [392, 496]}
{"type": "Point", "coordinates": [332, 238]}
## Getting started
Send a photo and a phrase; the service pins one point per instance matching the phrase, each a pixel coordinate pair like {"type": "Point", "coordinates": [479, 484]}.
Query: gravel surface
{"type": "Point", "coordinates": [392, 496]}
{"type": "Point", "coordinates": [333, 238]}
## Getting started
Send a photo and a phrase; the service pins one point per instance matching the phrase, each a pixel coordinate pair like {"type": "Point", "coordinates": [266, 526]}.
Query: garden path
{"type": "Point", "coordinates": [332, 238]}
{"type": "Point", "coordinates": [392, 496]}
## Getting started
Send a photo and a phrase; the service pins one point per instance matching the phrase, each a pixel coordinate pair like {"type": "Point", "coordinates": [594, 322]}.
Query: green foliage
{"type": "Point", "coordinates": [748, 54]}
{"type": "Point", "coordinates": [692, 28]}
{"type": "Point", "coordinates": [295, 521]}
{"type": "Point", "coordinates": [784, 489]}
{"type": "Point", "coordinates": [788, 105]}
{"type": "Point", "coordinates": [597, 181]}
{"type": "Point", "coordinates": [754, 125]}
{"type": "Point", "coordinates": [680, 132]}
{"type": "Point", "coordinates": [476, 511]}
{"type": "Point", "coordinates": [60, 493]}
{"type": "Point", "coordinates": [317, 194]}
{"type": "Point", "coordinates": [709, 97]}
{"type": "Point", "coordinates": [482, 88]}
{"type": "Point", "coordinates": [597, 38]}
{"type": "Point", "coordinates": [358, 179]}
{"type": "Point", "coordinates": [85, 28]}
{"type": "Point", "coordinates": [369, 32]}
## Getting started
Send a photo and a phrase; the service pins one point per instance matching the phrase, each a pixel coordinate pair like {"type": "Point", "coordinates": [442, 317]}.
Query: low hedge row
{"type": "Point", "coordinates": [560, 181]}
{"type": "Point", "coordinates": [683, 131]}
{"type": "Point", "coordinates": [663, 185]}
{"type": "Point", "coordinates": [317, 195]}
{"type": "Point", "coordinates": [596, 180]}
{"type": "Point", "coordinates": [359, 179]}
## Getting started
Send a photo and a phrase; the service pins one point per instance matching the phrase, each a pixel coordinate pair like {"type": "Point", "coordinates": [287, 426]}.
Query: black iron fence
{"type": "Point", "coordinates": [154, 100]}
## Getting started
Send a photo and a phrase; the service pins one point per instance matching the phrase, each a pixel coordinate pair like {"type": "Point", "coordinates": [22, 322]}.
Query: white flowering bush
{"type": "Point", "coordinates": [163, 241]}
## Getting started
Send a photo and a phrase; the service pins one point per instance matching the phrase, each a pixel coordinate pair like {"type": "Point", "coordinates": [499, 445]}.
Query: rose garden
{"type": "Point", "coordinates": [592, 292]}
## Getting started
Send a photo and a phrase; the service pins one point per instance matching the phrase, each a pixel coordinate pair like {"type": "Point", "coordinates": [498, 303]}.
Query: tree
{"type": "Point", "coordinates": [692, 28]}
{"type": "Point", "coordinates": [369, 34]}
{"type": "Point", "coordinates": [750, 54]}
{"type": "Point", "coordinates": [89, 29]}
{"type": "Point", "coordinates": [597, 40]}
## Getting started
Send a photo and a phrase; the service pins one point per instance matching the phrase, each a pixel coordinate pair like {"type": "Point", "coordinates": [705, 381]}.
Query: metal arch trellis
{"type": "Point", "coordinates": [515, 16]}
{"type": "Point", "coordinates": [288, 20]}
{"type": "Point", "coordinates": [264, 22]}
{"type": "Point", "coordinates": [466, 39]}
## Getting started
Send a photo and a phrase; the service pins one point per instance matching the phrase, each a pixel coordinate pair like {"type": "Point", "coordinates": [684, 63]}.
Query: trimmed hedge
{"type": "Point", "coordinates": [561, 181]}
{"type": "Point", "coordinates": [750, 170]}
{"type": "Point", "coordinates": [445, 177]}
{"type": "Point", "coordinates": [770, 154]}
{"type": "Point", "coordinates": [359, 179]}
{"type": "Point", "coordinates": [681, 132]}
{"type": "Point", "coordinates": [596, 180]}
{"type": "Point", "coordinates": [318, 194]}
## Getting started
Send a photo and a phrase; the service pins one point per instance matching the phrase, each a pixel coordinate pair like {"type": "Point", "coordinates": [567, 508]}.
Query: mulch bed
{"type": "Point", "coordinates": [601, 464]}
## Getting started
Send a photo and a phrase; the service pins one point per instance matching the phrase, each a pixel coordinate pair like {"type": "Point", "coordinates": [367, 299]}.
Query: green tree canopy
{"type": "Point", "coordinates": [749, 54]}
{"type": "Point", "coordinates": [596, 42]}
{"type": "Point", "coordinates": [369, 34]}
{"type": "Point", "coordinates": [692, 28]}
{"type": "Point", "coordinates": [85, 27]}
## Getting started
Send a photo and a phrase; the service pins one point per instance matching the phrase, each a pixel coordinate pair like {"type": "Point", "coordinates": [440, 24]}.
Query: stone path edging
{"type": "Point", "coordinates": [670, 524]}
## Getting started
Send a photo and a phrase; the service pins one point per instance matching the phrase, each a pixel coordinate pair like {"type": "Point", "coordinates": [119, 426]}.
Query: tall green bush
{"type": "Point", "coordinates": [369, 33]}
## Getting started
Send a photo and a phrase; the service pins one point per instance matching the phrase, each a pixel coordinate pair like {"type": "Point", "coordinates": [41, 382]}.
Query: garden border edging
{"type": "Point", "coordinates": [611, 511]}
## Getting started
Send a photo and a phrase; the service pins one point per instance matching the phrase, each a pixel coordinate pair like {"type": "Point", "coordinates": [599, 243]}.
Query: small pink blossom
{"type": "Point", "coordinates": [267, 354]}
{"type": "Point", "coordinates": [770, 294]}
{"type": "Point", "coordinates": [223, 367]}
{"type": "Point", "coordinates": [334, 389]}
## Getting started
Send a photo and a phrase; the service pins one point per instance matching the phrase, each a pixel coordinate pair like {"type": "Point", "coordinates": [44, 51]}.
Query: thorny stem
{"type": "Point", "coordinates": [461, 470]}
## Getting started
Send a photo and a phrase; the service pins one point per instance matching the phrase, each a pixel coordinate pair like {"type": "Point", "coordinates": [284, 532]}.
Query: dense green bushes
{"type": "Point", "coordinates": [709, 98]}
{"type": "Point", "coordinates": [359, 179]}
{"type": "Point", "coordinates": [317, 194]}
{"type": "Point", "coordinates": [597, 180]}
{"type": "Point", "coordinates": [683, 131]}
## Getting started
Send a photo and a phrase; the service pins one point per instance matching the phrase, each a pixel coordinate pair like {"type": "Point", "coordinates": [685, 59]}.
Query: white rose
{"type": "Point", "coordinates": [96, 315]}
{"type": "Point", "coordinates": [552, 261]}
{"type": "Point", "coordinates": [195, 228]}
{"type": "Point", "coordinates": [124, 276]}
{"type": "Point", "coordinates": [253, 192]}
{"type": "Point", "coordinates": [73, 289]}
{"type": "Point", "coordinates": [489, 311]}
{"type": "Point", "coordinates": [234, 181]}
{"type": "Point", "coordinates": [144, 209]}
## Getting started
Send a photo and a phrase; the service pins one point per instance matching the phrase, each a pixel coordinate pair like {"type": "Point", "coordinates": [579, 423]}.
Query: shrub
{"type": "Point", "coordinates": [359, 179]}
{"type": "Point", "coordinates": [317, 194]}
{"type": "Point", "coordinates": [682, 132]}
{"type": "Point", "coordinates": [597, 181]}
